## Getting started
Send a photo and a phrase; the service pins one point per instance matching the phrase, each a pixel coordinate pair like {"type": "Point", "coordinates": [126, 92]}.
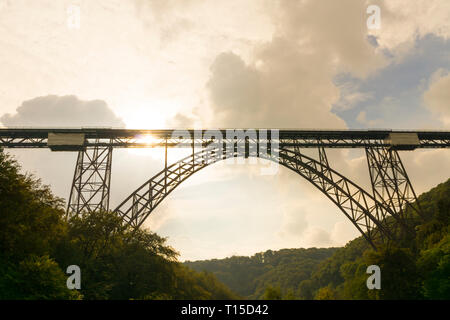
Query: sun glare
{"type": "Point", "coordinates": [148, 139]}
{"type": "Point", "coordinates": [151, 147]}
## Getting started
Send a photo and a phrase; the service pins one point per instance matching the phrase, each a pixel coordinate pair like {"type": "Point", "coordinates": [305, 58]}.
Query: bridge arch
{"type": "Point", "coordinates": [366, 213]}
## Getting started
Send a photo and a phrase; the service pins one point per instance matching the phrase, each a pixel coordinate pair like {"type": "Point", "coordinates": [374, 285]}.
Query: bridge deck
{"type": "Point", "coordinates": [134, 138]}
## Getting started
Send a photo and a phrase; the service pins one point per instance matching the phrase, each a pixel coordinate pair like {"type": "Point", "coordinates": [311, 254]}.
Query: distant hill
{"type": "Point", "coordinates": [250, 276]}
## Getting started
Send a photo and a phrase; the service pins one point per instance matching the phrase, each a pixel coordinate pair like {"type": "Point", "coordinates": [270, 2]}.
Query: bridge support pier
{"type": "Point", "coordinates": [390, 182]}
{"type": "Point", "coordinates": [91, 182]}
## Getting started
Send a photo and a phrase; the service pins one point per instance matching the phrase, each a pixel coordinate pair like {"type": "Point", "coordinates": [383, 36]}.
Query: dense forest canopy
{"type": "Point", "coordinates": [37, 244]}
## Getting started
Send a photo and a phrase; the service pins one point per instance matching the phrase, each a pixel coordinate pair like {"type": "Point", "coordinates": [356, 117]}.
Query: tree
{"type": "Point", "coordinates": [306, 289]}
{"type": "Point", "coordinates": [37, 278]}
{"type": "Point", "coordinates": [30, 215]}
{"type": "Point", "coordinates": [272, 293]}
{"type": "Point", "coordinates": [30, 223]}
{"type": "Point", "coordinates": [117, 262]}
{"type": "Point", "coordinates": [354, 286]}
{"type": "Point", "coordinates": [325, 293]}
{"type": "Point", "coordinates": [290, 295]}
{"type": "Point", "coordinates": [399, 274]}
{"type": "Point", "coordinates": [434, 265]}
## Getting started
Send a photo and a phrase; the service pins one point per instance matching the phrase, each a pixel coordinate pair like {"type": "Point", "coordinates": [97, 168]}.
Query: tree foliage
{"type": "Point", "coordinates": [37, 245]}
{"type": "Point", "coordinates": [254, 276]}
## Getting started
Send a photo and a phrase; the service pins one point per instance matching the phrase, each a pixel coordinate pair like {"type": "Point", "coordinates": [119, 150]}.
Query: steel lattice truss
{"type": "Point", "coordinates": [360, 207]}
{"type": "Point", "coordinates": [390, 182]}
{"type": "Point", "coordinates": [91, 183]}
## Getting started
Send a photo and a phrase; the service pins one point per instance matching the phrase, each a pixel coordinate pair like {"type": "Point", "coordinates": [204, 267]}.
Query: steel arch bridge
{"type": "Point", "coordinates": [376, 214]}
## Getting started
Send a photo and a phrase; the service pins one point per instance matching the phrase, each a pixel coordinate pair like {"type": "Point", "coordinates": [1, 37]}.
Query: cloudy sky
{"type": "Point", "coordinates": [234, 63]}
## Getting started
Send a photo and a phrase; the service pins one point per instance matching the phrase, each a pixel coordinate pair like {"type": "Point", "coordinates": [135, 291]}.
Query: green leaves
{"type": "Point", "coordinates": [37, 245]}
{"type": "Point", "coordinates": [251, 276]}
{"type": "Point", "coordinates": [30, 216]}
{"type": "Point", "coordinates": [434, 266]}
{"type": "Point", "coordinates": [272, 293]}
{"type": "Point", "coordinates": [35, 278]}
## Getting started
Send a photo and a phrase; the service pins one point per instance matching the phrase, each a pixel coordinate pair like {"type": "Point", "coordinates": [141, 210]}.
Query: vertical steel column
{"type": "Point", "coordinates": [390, 183]}
{"type": "Point", "coordinates": [91, 182]}
{"type": "Point", "coordinates": [323, 159]}
{"type": "Point", "coordinates": [165, 167]}
{"type": "Point", "coordinates": [193, 154]}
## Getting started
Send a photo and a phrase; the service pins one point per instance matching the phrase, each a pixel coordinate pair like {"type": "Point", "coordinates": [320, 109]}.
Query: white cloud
{"type": "Point", "coordinates": [362, 119]}
{"type": "Point", "coordinates": [426, 168]}
{"type": "Point", "coordinates": [350, 96]}
{"type": "Point", "coordinates": [402, 21]}
{"type": "Point", "coordinates": [294, 223]}
{"type": "Point", "coordinates": [343, 232]}
{"type": "Point", "coordinates": [64, 111]}
{"type": "Point", "coordinates": [317, 237]}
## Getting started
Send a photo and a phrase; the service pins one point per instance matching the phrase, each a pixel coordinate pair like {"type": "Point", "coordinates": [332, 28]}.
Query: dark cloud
{"type": "Point", "coordinates": [166, 17]}
{"type": "Point", "coordinates": [62, 111]}
{"type": "Point", "coordinates": [233, 85]}
{"type": "Point", "coordinates": [284, 88]}
{"type": "Point", "coordinates": [180, 121]}
{"type": "Point", "coordinates": [287, 82]}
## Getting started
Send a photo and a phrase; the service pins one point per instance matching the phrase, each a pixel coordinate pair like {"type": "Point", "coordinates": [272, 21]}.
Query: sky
{"type": "Point", "coordinates": [228, 64]}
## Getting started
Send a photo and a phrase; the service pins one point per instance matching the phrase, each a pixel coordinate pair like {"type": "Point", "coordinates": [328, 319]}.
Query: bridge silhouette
{"type": "Point", "coordinates": [377, 213]}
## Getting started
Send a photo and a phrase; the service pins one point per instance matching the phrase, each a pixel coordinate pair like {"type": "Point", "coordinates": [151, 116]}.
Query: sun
{"type": "Point", "coordinates": [151, 146]}
{"type": "Point", "coordinates": [147, 146]}
{"type": "Point", "coordinates": [147, 139]}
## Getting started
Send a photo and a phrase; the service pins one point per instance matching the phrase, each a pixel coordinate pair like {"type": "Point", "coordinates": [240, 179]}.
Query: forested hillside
{"type": "Point", "coordinates": [417, 267]}
{"type": "Point", "coordinates": [37, 245]}
{"type": "Point", "coordinates": [278, 271]}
